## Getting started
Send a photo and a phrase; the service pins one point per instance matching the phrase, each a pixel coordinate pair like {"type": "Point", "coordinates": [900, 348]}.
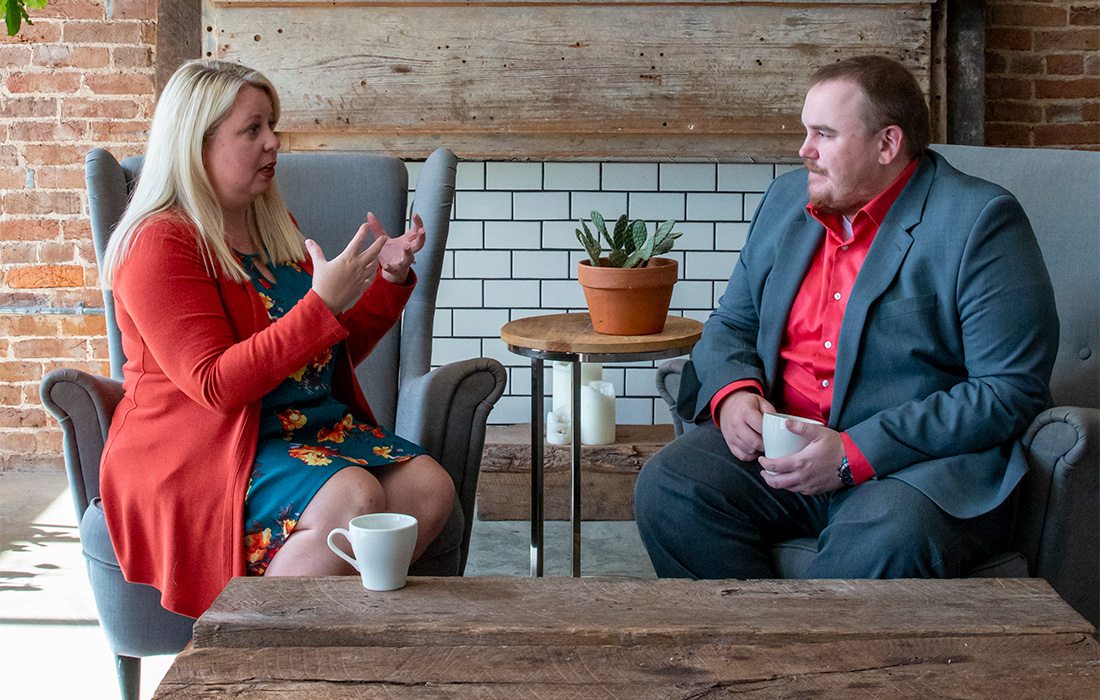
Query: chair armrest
{"type": "Point", "coordinates": [1059, 524]}
{"type": "Point", "coordinates": [668, 386]}
{"type": "Point", "coordinates": [83, 404]}
{"type": "Point", "coordinates": [445, 411]}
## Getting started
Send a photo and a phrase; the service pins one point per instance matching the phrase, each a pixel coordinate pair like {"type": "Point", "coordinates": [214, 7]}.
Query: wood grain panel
{"type": "Point", "coordinates": [557, 79]}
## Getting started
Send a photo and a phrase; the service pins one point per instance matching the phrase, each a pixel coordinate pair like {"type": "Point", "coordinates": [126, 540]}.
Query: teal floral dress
{"type": "Point", "coordinates": [306, 435]}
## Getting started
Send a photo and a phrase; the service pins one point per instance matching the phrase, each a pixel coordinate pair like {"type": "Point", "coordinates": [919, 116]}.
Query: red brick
{"type": "Point", "coordinates": [1011, 38]}
{"type": "Point", "coordinates": [45, 131]}
{"type": "Point", "coordinates": [11, 395]}
{"type": "Point", "coordinates": [45, 82]}
{"type": "Point", "coordinates": [55, 153]}
{"type": "Point", "coordinates": [76, 229]}
{"type": "Point", "coordinates": [1070, 88]}
{"type": "Point", "coordinates": [995, 63]}
{"type": "Point", "coordinates": [65, 56]}
{"type": "Point", "coordinates": [24, 418]}
{"type": "Point", "coordinates": [15, 54]}
{"type": "Point", "coordinates": [1071, 112]}
{"type": "Point", "coordinates": [28, 106]}
{"type": "Point", "coordinates": [120, 83]}
{"type": "Point", "coordinates": [50, 348]}
{"type": "Point", "coordinates": [1065, 64]}
{"type": "Point", "coordinates": [29, 230]}
{"type": "Point", "coordinates": [41, 202]}
{"type": "Point", "coordinates": [1013, 111]}
{"type": "Point", "coordinates": [1067, 40]}
{"type": "Point", "coordinates": [47, 442]}
{"type": "Point", "coordinates": [1084, 15]}
{"type": "Point", "coordinates": [41, 32]}
{"type": "Point", "coordinates": [1007, 88]}
{"type": "Point", "coordinates": [60, 177]}
{"type": "Point", "coordinates": [13, 178]}
{"type": "Point", "coordinates": [134, 9]}
{"type": "Point", "coordinates": [20, 371]}
{"type": "Point", "coordinates": [84, 326]}
{"type": "Point", "coordinates": [1092, 64]}
{"type": "Point", "coordinates": [54, 252]}
{"type": "Point", "coordinates": [97, 348]}
{"type": "Point", "coordinates": [44, 276]}
{"type": "Point", "coordinates": [105, 32]}
{"type": "Point", "coordinates": [1090, 112]}
{"type": "Point", "coordinates": [1067, 134]}
{"type": "Point", "coordinates": [131, 56]}
{"type": "Point", "coordinates": [41, 464]}
{"type": "Point", "coordinates": [998, 134]}
{"type": "Point", "coordinates": [18, 253]}
{"type": "Point", "coordinates": [1029, 15]}
{"type": "Point", "coordinates": [73, 9]}
{"type": "Point", "coordinates": [29, 325]}
{"type": "Point", "coordinates": [9, 155]}
{"type": "Point", "coordinates": [17, 442]}
{"type": "Point", "coordinates": [100, 108]}
{"type": "Point", "coordinates": [118, 130]}
{"type": "Point", "coordinates": [1025, 64]}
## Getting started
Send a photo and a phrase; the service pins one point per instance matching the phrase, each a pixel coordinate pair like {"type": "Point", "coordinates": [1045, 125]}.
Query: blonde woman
{"type": "Point", "coordinates": [243, 437]}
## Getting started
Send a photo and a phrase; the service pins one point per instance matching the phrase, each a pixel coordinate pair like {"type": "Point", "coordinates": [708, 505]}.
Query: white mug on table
{"type": "Point", "coordinates": [383, 545]}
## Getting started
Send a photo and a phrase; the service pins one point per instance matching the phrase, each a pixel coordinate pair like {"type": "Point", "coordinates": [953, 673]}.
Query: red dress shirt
{"type": "Point", "coordinates": [808, 351]}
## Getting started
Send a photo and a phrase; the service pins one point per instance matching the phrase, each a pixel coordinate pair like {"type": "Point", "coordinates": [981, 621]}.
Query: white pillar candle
{"type": "Point", "coordinates": [598, 413]}
{"type": "Point", "coordinates": [557, 428]}
{"type": "Point", "coordinates": [562, 381]}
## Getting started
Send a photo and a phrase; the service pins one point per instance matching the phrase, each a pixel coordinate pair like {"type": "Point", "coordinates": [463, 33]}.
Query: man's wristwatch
{"type": "Point", "coordinates": [844, 472]}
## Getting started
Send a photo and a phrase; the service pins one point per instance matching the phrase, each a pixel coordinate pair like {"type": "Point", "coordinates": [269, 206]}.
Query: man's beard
{"type": "Point", "coordinates": [824, 203]}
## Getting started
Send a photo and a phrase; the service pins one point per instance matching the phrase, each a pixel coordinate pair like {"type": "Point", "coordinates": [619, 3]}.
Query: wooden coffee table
{"type": "Point", "coordinates": [507, 637]}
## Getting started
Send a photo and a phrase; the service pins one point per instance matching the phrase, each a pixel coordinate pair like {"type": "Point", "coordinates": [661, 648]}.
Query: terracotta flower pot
{"type": "Point", "coordinates": [631, 301]}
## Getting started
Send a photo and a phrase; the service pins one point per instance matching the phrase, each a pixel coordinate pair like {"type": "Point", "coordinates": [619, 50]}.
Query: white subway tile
{"type": "Point", "coordinates": [714, 207]}
{"type": "Point", "coordinates": [692, 295]}
{"type": "Point", "coordinates": [634, 411]}
{"type": "Point", "coordinates": [459, 293]}
{"type": "Point", "coordinates": [700, 315]}
{"type": "Point", "coordinates": [510, 410]}
{"type": "Point", "coordinates": [534, 206]}
{"type": "Point", "coordinates": [511, 294]}
{"type": "Point", "coordinates": [483, 205]}
{"type": "Point", "coordinates": [709, 266]}
{"type": "Point", "coordinates": [414, 167]}
{"type": "Point", "coordinates": [476, 323]}
{"type": "Point", "coordinates": [617, 376]}
{"type": "Point", "coordinates": [698, 235]}
{"type": "Point", "coordinates": [448, 271]}
{"type": "Point", "coordinates": [719, 290]}
{"type": "Point", "coordinates": [517, 314]}
{"type": "Point", "coordinates": [609, 204]}
{"type": "Point", "coordinates": [641, 382]}
{"type": "Point", "coordinates": [685, 177]}
{"type": "Point", "coordinates": [513, 176]}
{"type": "Point", "coordinates": [571, 176]}
{"type": "Point", "coordinates": [565, 294]}
{"type": "Point", "coordinates": [519, 380]}
{"type": "Point", "coordinates": [730, 236]}
{"type": "Point", "coordinates": [465, 234]}
{"type": "Point", "coordinates": [483, 264]}
{"type": "Point", "coordinates": [630, 176]}
{"type": "Point", "coordinates": [656, 206]}
{"type": "Point", "coordinates": [738, 177]}
{"type": "Point", "coordinates": [781, 168]}
{"type": "Point", "coordinates": [447, 350]}
{"type": "Point", "coordinates": [558, 235]}
{"type": "Point", "coordinates": [511, 235]}
{"type": "Point", "coordinates": [752, 203]}
{"type": "Point", "coordinates": [661, 413]}
{"type": "Point", "coordinates": [441, 323]}
{"type": "Point", "coordinates": [540, 264]}
{"type": "Point", "coordinates": [470, 175]}
{"type": "Point", "coordinates": [496, 349]}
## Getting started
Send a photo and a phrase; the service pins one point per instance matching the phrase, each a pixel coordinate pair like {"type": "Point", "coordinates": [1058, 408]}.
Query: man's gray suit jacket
{"type": "Point", "coordinates": [946, 345]}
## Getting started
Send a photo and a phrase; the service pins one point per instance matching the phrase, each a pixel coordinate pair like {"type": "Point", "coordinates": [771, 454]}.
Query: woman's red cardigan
{"type": "Point", "coordinates": [200, 355]}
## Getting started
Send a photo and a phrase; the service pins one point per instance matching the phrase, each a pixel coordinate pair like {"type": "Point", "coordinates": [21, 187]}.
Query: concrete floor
{"type": "Point", "coordinates": [51, 643]}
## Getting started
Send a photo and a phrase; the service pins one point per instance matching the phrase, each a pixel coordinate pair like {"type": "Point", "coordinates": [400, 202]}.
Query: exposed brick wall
{"type": "Point", "coordinates": [77, 78]}
{"type": "Point", "coordinates": [1043, 73]}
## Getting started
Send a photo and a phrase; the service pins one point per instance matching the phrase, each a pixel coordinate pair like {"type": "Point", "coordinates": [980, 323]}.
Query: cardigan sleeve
{"type": "Point", "coordinates": [374, 314]}
{"type": "Point", "coordinates": [203, 332]}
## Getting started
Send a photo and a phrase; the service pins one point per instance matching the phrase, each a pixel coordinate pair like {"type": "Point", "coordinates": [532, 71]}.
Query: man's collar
{"type": "Point", "coordinates": [877, 208]}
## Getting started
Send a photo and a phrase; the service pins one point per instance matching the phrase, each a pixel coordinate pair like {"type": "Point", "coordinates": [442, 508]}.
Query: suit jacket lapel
{"type": "Point", "coordinates": [879, 269]}
{"type": "Point", "coordinates": [793, 259]}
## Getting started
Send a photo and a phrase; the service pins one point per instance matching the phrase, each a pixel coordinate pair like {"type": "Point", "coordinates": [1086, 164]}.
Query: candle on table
{"type": "Point", "coordinates": [598, 413]}
{"type": "Point", "coordinates": [558, 429]}
{"type": "Point", "coordinates": [563, 382]}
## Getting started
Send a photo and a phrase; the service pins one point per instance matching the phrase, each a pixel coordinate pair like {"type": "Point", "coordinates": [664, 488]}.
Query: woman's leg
{"type": "Point", "coordinates": [422, 488]}
{"type": "Point", "coordinates": [349, 492]}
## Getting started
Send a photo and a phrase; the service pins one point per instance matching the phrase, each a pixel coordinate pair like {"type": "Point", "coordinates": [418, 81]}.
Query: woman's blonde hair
{"type": "Point", "coordinates": [193, 105]}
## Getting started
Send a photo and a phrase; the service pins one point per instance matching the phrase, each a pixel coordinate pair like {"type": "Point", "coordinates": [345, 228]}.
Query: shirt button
{"type": "Point", "coordinates": [828, 344]}
{"type": "Point", "coordinates": [825, 383]}
{"type": "Point", "coordinates": [844, 247]}
{"type": "Point", "coordinates": [836, 295]}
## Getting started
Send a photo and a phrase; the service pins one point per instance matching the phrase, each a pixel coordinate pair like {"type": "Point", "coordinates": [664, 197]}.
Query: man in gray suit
{"type": "Point", "coordinates": [903, 304]}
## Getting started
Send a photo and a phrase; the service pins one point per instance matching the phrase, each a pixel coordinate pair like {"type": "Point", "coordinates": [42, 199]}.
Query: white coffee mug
{"type": "Point", "coordinates": [383, 545]}
{"type": "Point", "coordinates": [780, 442]}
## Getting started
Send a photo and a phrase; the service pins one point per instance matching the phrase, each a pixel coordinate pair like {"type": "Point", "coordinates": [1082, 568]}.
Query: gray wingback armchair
{"type": "Point", "coordinates": [444, 410]}
{"type": "Point", "coordinates": [1057, 533]}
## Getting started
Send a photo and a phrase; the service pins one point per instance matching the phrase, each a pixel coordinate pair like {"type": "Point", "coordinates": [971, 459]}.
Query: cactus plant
{"type": "Point", "coordinates": [630, 243]}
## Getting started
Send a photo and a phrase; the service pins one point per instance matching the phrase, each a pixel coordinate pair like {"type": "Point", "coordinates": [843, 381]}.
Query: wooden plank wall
{"type": "Point", "coordinates": [557, 79]}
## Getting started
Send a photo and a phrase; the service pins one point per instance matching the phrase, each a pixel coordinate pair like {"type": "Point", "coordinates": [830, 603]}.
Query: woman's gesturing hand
{"type": "Point", "coordinates": [341, 281]}
{"type": "Point", "coordinates": [400, 252]}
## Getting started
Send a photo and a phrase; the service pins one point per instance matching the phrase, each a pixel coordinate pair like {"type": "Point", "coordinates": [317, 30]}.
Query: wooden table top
{"type": "Point", "coordinates": [639, 639]}
{"type": "Point", "coordinates": [573, 333]}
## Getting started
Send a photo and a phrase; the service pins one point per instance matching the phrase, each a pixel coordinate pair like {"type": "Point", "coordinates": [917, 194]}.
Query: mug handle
{"type": "Point", "coordinates": [339, 552]}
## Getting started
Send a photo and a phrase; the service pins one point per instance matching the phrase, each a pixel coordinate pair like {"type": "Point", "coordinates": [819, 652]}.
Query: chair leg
{"type": "Point", "coordinates": [129, 676]}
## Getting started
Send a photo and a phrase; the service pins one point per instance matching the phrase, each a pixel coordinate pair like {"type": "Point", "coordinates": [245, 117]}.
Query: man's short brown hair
{"type": "Point", "coordinates": [892, 96]}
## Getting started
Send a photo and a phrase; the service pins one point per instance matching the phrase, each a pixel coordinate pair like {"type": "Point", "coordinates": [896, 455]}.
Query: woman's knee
{"type": "Point", "coordinates": [349, 492]}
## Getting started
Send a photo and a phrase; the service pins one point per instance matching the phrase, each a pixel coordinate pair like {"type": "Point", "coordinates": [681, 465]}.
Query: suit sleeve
{"type": "Point", "coordinates": [177, 308]}
{"type": "Point", "coordinates": [1008, 329]}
